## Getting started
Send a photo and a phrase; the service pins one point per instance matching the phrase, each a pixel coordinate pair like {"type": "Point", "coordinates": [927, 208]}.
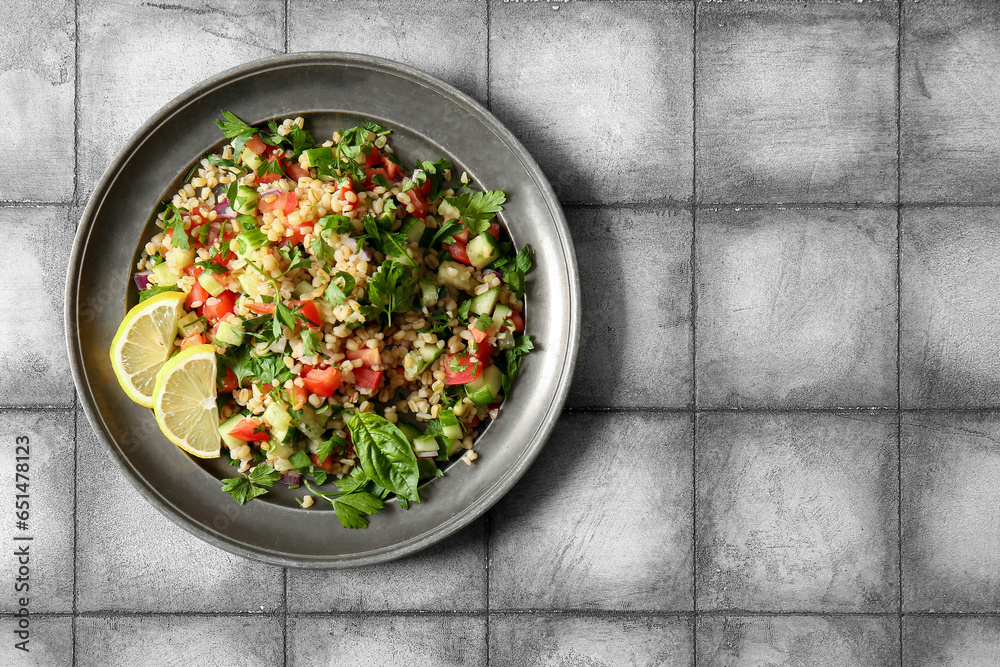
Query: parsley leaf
{"type": "Point", "coordinates": [435, 174]}
{"type": "Point", "coordinates": [335, 295]}
{"type": "Point", "coordinates": [247, 488]}
{"type": "Point", "coordinates": [310, 343]}
{"type": "Point", "coordinates": [444, 232]}
{"type": "Point", "coordinates": [478, 208]}
{"type": "Point", "coordinates": [153, 290]}
{"type": "Point", "coordinates": [522, 346]}
{"type": "Point", "coordinates": [172, 219]}
{"type": "Point", "coordinates": [390, 290]}
{"type": "Point", "coordinates": [233, 126]}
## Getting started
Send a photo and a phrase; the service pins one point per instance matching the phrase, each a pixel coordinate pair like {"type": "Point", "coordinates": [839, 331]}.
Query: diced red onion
{"type": "Point", "coordinates": [349, 241]}
{"type": "Point", "coordinates": [492, 271]}
{"type": "Point", "coordinates": [365, 255]}
{"type": "Point", "coordinates": [427, 455]}
{"type": "Point", "coordinates": [272, 191]}
{"type": "Point", "coordinates": [142, 279]}
{"type": "Point", "coordinates": [224, 210]}
{"type": "Point", "coordinates": [291, 479]}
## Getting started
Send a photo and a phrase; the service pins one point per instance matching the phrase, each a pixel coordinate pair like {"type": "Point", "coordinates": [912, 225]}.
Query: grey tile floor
{"type": "Point", "coordinates": [781, 445]}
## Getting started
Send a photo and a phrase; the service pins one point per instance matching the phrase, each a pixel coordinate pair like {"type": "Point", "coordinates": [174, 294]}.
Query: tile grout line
{"type": "Point", "coordinates": [287, 9]}
{"type": "Point", "coordinates": [694, 333]}
{"type": "Point", "coordinates": [899, 320]}
{"type": "Point", "coordinates": [489, 514]}
{"type": "Point", "coordinates": [76, 395]}
{"type": "Point", "coordinates": [284, 616]}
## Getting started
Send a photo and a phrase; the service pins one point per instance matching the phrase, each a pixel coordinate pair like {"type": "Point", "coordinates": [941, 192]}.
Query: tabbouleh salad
{"type": "Point", "coordinates": [366, 316]}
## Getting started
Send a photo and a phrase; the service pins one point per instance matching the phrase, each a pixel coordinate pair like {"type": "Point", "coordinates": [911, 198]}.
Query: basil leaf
{"type": "Point", "coordinates": [385, 454]}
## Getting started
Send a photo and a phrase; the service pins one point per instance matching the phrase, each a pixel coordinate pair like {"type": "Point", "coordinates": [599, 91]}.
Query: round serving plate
{"type": "Point", "coordinates": [429, 119]}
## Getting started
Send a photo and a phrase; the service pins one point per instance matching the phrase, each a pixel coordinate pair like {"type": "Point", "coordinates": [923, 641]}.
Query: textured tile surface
{"type": "Point", "coordinates": [580, 641]}
{"type": "Point", "coordinates": [950, 139]}
{"type": "Point", "coordinates": [48, 572]}
{"type": "Point", "coordinates": [449, 576]}
{"type": "Point", "coordinates": [587, 119]}
{"type": "Point", "coordinates": [950, 642]}
{"type": "Point", "coordinates": [49, 641]}
{"type": "Point", "coordinates": [568, 537]}
{"type": "Point", "coordinates": [155, 641]}
{"type": "Point", "coordinates": [797, 512]}
{"type": "Point", "coordinates": [780, 641]}
{"type": "Point", "coordinates": [376, 641]}
{"type": "Point", "coordinates": [34, 368]}
{"type": "Point", "coordinates": [949, 298]}
{"type": "Point", "coordinates": [132, 558]}
{"type": "Point", "coordinates": [796, 308]}
{"type": "Point", "coordinates": [400, 30]}
{"type": "Point", "coordinates": [951, 512]}
{"type": "Point", "coordinates": [636, 335]}
{"type": "Point", "coordinates": [36, 72]}
{"type": "Point", "coordinates": [135, 57]}
{"type": "Point", "coordinates": [796, 102]}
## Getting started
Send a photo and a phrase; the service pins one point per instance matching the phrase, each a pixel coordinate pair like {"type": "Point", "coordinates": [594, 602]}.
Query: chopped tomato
{"type": "Point", "coordinates": [269, 177]}
{"type": "Point", "coordinates": [192, 340]}
{"type": "Point", "coordinates": [418, 199]}
{"type": "Point", "coordinates": [308, 308]}
{"type": "Point", "coordinates": [286, 202]}
{"type": "Point", "coordinates": [494, 230]}
{"type": "Point", "coordinates": [462, 236]}
{"type": "Point", "coordinates": [459, 370]}
{"type": "Point", "coordinates": [198, 294]}
{"type": "Point", "coordinates": [480, 336]}
{"type": "Point", "coordinates": [517, 321]}
{"type": "Point", "coordinates": [256, 146]}
{"type": "Point", "coordinates": [395, 173]}
{"type": "Point", "coordinates": [294, 170]}
{"type": "Point", "coordinates": [322, 381]}
{"type": "Point", "coordinates": [224, 254]}
{"type": "Point", "coordinates": [228, 383]}
{"type": "Point", "coordinates": [373, 158]}
{"type": "Point", "coordinates": [326, 464]}
{"type": "Point", "coordinates": [369, 357]}
{"type": "Point", "coordinates": [458, 252]}
{"type": "Point", "coordinates": [366, 378]}
{"type": "Point", "coordinates": [250, 430]}
{"type": "Point", "coordinates": [261, 308]}
{"type": "Point", "coordinates": [301, 395]}
{"type": "Point", "coordinates": [192, 270]}
{"type": "Point", "coordinates": [221, 305]}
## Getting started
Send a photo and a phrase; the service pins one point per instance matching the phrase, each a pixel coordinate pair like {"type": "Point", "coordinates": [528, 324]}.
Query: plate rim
{"type": "Point", "coordinates": [463, 517]}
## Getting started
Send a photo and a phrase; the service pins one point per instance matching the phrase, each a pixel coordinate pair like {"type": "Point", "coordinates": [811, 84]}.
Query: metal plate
{"type": "Point", "coordinates": [333, 90]}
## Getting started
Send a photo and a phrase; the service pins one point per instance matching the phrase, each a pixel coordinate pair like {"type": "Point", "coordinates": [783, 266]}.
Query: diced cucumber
{"type": "Point", "coordinates": [454, 446]}
{"type": "Point", "coordinates": [450, 425]}
{"type": "Point", "coordinates": [191, 324]}
{"type": "Point", "coordinates": [413, 227]}
{"type": "Point", "coordinates": [249, 240]}
{"type": "Point", "coordinates": [428, 292]}
{"type": "Point", "coordinates": [501, 315]}
{"type": "Point", "coordinates": [446, 210]}
{"type": "Point", "coordinates": [227, 426]}
{"type": "Point", "coordinates": [300, 460]}
{"type": "Point", "coordinates": [164, 276]}
{"type": "Point", "coordinates": [230, 331]}
{"type": "Point", "coordinates": [422, 358]}
{"type": "Point", "coordinates": [483, 250]}
{"type": "Point", "coordinates": [280, 450]}
{"type": "Point", "coordinates": [304, 287]}
{"type": "Point", "coordinates": [248, 285]}
{"type": "Point", "coordinates": [461, 280]}
{"type": "Point", "coordinates": [409, 430]}
{"type": "Point", "coordinates": [318, 156]}
{"type": "Point", "coordinates": [246, 200]}
{"type": "Point", "coordinates": [277, 417]}
{"type": "Point", "coordinates": [310, 424]}
{"type": "Point", "coordinates": [505, 340]}
{"type": "Point", "coordinates": [250, 159]}
{"type": "Point", "coordinates": [484, 303]}
{"type": "Point", "coordinates": [485, 388]}
{"type": "Point", "coordinates": [425, 443]}
{"type": "Point", "coordinates": [211, 285]}
{"type": "Point", "coordinates": [181, 258]}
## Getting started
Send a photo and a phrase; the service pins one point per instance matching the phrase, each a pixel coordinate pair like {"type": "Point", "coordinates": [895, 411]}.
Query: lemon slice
{"type": "Point", "coordinates": [184, 401]}
{"type": "Point", "coordinates": [144, 342]}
